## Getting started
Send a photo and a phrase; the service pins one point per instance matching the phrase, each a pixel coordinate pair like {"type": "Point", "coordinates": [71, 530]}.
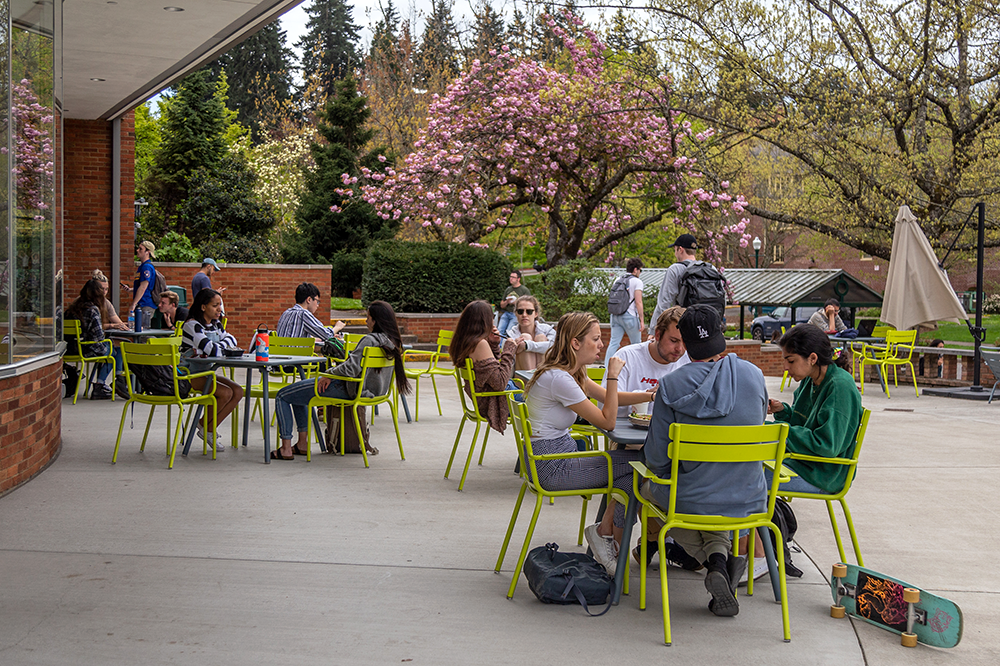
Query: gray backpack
{"type": "Point", "coordinates": [618, 299]}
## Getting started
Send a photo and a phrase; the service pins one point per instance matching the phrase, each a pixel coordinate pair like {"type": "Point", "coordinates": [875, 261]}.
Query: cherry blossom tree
{"type": "Point", "coordinates": [584, 154]}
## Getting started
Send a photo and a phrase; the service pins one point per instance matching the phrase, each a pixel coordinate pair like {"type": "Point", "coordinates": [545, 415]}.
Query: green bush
{"type": "Point", "coordinates": [347, 270]}
{"type": "Point", "coordinates": [577, 286]}
{"type": "Point", "coordinates": [241, 250]}
{"type": "Point", "coordinates": [177, 247]}
{"type": "Point", "coordinates": [432, 277]}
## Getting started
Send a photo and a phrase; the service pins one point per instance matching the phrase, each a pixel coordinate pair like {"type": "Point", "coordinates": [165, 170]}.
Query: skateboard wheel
{"type": "Point", "coordinates": [837, 611]}
{"type": "Point", "coordinates": [839, 570]}
{"type": "Point", "coordinates": [908, 640]}
{"type": "Point", "coordinates": [911, 595]}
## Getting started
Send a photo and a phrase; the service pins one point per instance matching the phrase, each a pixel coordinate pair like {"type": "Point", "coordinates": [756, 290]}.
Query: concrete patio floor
{"type": "Point", "coordinates": [236, 562]}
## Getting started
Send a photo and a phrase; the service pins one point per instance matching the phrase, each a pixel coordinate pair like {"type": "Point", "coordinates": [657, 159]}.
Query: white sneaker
{"type": "Point", "coordinates": [604, 548]}
{"type": "Point", "coordinates": [216, 441]}
{"type": "Point", "coordinates": [759, 570]}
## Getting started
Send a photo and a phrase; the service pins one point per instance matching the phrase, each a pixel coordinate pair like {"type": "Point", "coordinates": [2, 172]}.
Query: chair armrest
{"type": "Point", "coordinates": [346, 379]}
{"type": "Point", "coordinates": [489, 394]}
{"type": "Point", "coordinates": [645, 473]}
{"type": "Point", "coordinates": [784, 475]}
{"type": "Point", "coordinates": [198, 375]}
{"type": "Point", "coordinates": [571, 454]}
{"type": "Point", "coordinates": [832, 461]}
{"type": "Point", "coordinates": [519, 382]}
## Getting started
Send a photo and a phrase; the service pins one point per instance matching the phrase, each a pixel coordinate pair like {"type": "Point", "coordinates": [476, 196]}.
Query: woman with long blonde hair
{"type": "Point", "coordinates": [559, 392]}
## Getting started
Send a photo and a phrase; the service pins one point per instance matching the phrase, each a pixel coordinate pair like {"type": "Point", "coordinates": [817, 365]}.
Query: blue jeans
{"type": "Point", "coordinates": [794, 485]}
{"type": "Point", "coordinates": [295, 399]}
{"type": "Point", "coordinates": [620, 325]}
{"type": "Point", "coordinates": [507, 319]}
{"type": "Point", "coordinates": [104, 369]}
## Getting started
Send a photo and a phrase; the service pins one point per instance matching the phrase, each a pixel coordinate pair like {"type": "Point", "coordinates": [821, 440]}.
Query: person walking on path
{"type": "Point", "coordinates": [514, 292]}
{"type": "Point", "coordinates": [685, 248]}
{"type": "Point", "coordinates": [632, 321]}
{"type": "Point", "coordinates": [203, 278]}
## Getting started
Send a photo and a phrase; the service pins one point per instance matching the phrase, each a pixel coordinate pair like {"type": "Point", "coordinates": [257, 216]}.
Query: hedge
{"type": "Point", "coordinates": [433, 277]}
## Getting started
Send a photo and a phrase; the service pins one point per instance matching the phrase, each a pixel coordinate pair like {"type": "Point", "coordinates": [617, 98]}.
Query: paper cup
{"type": "Point", "coordinates": [640, 409]}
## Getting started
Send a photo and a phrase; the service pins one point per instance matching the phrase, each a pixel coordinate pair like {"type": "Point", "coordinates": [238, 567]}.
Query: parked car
{"type": "Point", "coordinates": [763, 327]}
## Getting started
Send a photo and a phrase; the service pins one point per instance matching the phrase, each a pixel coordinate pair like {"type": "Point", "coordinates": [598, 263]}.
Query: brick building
{"type": "Point", "coordinates": [76, 70]}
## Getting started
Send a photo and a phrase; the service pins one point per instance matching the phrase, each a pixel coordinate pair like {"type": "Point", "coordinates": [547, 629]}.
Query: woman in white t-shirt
{"type": "Point", "coordinates": [633, 321]}
{"type": "Point", "coordinates": [558, 392]}
{"type": "Point", "coordinates": [537, 335]}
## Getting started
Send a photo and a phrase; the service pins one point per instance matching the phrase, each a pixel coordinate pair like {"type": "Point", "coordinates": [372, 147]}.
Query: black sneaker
{"type": "Point", "coordinates": [678, 557]}
{"type": "Point", "coordinates": [100, 392]}
{"type": "Point", "coordinates": [723, 602]}
{"type": "Point", "coordinates": [121, 387]}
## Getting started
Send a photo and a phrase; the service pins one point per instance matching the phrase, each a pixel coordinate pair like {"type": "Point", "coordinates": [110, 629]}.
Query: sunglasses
{"type": "Point", "coordinates": [527, 311]}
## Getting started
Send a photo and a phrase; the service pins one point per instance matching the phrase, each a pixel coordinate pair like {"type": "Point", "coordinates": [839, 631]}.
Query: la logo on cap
{"type": "Point", "coordinates": [702, 333]}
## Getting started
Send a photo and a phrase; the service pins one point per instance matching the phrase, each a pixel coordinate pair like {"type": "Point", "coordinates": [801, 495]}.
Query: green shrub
{"type": "Point", "coordinates": [347, 270]}
{"type": "Point", "coordinates": [432, 277]}
{"type": "Point", "coordinates": [177, 247]}
{"type": "Point", "coordinates": [577, 286]}
{"type": "Point", "coordinates": [241, 250]}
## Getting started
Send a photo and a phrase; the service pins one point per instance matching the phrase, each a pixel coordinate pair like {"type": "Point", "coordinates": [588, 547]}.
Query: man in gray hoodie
{"type": "Point", "coordinates": [711, 390]}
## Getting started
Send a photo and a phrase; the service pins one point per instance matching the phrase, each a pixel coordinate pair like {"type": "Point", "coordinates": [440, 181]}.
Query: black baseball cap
{"type": "Point", "coordinates": [701, 330]}
{"type": "Point", "coordinates": [686, 241]}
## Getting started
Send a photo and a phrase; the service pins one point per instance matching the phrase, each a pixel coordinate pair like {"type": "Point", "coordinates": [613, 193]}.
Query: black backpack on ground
{"type": "Point", "coordinates": [787, 524]}
{"type": "Point", "coordinates": [702, 283]}
{"type": "Point", "coordinates": [567, 578]}
{"type": "Point", "coordinates": [618, 299]}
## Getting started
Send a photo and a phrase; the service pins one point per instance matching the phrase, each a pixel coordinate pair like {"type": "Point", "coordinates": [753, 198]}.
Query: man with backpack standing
{"type": "Point", "coordinates": [625, 307]}
{"type": "Point", "coordinates": [144, 289]}
{"type": "Point", "coordinates": [690, 281]}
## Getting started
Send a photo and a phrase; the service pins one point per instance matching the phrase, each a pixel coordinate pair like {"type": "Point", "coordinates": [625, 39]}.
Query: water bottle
{"type": "Point", "coordinates": [131, 321]}
{"type": "Point", "coordinates": [261, 343]}
{"type": "Point", "coordinates": [137, 316]}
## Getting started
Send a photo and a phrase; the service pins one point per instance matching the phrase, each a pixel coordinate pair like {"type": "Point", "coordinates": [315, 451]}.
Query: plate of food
{"type": "Point", "coordinates": [639, 420]}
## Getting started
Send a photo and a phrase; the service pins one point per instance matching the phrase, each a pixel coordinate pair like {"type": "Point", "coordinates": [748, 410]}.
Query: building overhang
{"type": "Point", "coordinates": [117, 55]}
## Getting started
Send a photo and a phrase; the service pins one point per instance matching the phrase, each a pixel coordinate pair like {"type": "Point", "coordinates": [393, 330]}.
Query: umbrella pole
{"type": "Point", "coordinates": [979, 333]}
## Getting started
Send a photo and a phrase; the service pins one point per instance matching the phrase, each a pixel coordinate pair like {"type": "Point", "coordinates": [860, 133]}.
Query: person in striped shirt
{"type": "Point", "coordinates": [204, 337]}
{"type": "Point", "coordinates": [299, 321]}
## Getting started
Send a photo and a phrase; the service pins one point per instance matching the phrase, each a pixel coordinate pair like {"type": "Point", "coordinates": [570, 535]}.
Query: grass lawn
{"type": "Point", "coordinates": [345, 304]}
{"type": "Point", "coordinates": [949, 331]}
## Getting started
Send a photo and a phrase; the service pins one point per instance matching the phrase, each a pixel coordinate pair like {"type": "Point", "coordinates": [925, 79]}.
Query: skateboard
{"type": "Point", "coordinates": [915, 614]}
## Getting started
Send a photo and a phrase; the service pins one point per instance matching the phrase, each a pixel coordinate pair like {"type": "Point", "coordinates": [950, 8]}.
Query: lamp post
{"type": "Point", "coordinates": [756, 252]}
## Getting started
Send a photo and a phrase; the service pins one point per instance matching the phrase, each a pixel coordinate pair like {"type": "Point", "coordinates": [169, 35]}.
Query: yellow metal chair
{"type": "Point", "coordinates": [470, 412]}
{"type": "Point", "coordinates": [529, 474]}
{"type": "Point", "coordinates": [434, 369]}
{"type": "Point", "coordinates": [587, 431]}
{"type": "Point", "coordinates": [858, 350]}
{"type": "Point", "coordinates": [723, 444]}
{"type": "Point", "coordinates": [898, 351]}
{"type": "Point", "coordinates": [839, 496]}
{"type": "Point", "coordinates": [373, 358]}
{"type": "Point", "coordinates": [165, 355]}
{"type": "Point", "coordinates": [71, 327]}
{"type": "Point", "coordinates": [278, 378]}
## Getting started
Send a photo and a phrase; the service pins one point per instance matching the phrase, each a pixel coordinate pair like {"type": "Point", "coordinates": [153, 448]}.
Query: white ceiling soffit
{"type": "Point", "coordinates": [138, 48]}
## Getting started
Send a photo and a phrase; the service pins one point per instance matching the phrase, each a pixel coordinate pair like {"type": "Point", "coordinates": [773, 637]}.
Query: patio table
{"type": "Point", "coordinates": [250, 362]}
{"type": "Point", "coordinates": [141, 336]}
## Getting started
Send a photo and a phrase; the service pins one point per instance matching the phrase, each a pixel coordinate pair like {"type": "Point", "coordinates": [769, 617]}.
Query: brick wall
{"type": "Point", "coordinates": [87, 200]}
{"type": "Point", "coordinates": [426, 325]}
{"type": "Point", "coordinates": [30, 424]}
{"type": "Point", "coordinates": [255, 293]}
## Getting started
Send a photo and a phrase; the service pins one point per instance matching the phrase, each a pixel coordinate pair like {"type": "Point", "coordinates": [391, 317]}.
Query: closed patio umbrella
{"type": "Point", "coordinates": [917, 290]}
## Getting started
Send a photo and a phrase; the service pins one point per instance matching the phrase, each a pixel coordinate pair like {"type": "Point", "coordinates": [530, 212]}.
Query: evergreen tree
{"type": "Point", "coordinates": [257, 68]}
{"type": "Point", "coordinates": [385, 35]}
{"type": "Point", "coordinates": [436, 61]}
{"type": "Point", "coordinates": [519, 33]}
{"type": "Point", "coordinates": [339, 237]}
{"type": "Point", "coordinates": [193, 124]}
{"type": "Point", "coordinates": [487, 32]}
{"type": "Point", "coordinates": [330, 45]}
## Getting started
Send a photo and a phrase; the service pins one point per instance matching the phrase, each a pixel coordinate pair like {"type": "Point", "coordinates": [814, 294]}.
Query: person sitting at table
{"type": "Point", "coordinates": [537, 335]}
{"type": "Point", "coordinates": [299, 321]}
{"type": "Point", "coordinates": [828, 319]}
{"type": "Point", "coordinates": [714, 389]}
{"type": "Point", "coordinates": [824, 415]}
{"type": "Point", "coordinates": [558, 392]}
{"type": "Point", "coordinates": [204, 337]}
{"type": "Point", "coordinates": [109, 318]}
{"type": "Point", "coordinates": [294, 400]}
{"type": "Point", "coordinates": [169, 306]}
{"type": "Point", "coordinates": [477, 338]}
{"type": "Point", "coordinates": [87, 310]}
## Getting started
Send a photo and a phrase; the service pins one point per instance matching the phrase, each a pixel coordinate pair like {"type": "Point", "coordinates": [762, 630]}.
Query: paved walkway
{"type": "Point", "coordinates": [235, 562]}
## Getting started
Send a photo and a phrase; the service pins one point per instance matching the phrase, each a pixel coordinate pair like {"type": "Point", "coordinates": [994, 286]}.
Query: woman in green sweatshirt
{"type": "Point", "coordinates": [825, 413]}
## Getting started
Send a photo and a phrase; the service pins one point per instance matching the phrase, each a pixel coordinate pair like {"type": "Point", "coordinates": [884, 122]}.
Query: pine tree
{"type": "Point", "coordinates": [257, 68]}
{"type": "Point", "coordinates": [340, 236]}
{"type": "Point", "coordinates": [436, 61]}
{"type": "Point", "coordinates": [330, 46]}
{"type": "Point", "coordinates": [487, 32]}
{"type": "Point", "coordinates": [386, 32]}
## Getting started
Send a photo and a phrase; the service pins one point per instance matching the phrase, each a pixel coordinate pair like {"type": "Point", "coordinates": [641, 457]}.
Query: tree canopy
{"type": "Point", "coordinates": [330, 45]}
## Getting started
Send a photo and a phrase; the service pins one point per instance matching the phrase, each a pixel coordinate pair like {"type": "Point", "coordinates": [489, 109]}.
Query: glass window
{"type": "Point", "coordinates": [31, 154]}
{"type": "Point", "coordinates": [5, 272]}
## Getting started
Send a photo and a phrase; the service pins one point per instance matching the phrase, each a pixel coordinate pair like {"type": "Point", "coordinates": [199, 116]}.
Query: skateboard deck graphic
{"type": "Point", "coordinates": [886, 602]}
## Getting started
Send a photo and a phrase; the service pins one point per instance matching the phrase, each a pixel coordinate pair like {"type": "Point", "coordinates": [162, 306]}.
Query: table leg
{"type": "Point", "coordinates": [764, 534]}
{"type": "Point", "coordinates": [406, 408]}
{"type": "Point", "coordinates": [625, 550]}
{"type": "Point", "coordinates": [194, 426]}
{"type": "Point", "coordinates": [246, 407]}
{"type": "Point", "coordinates": [266, 416]}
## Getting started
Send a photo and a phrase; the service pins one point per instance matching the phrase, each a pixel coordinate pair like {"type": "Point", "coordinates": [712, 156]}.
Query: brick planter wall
{"type": "Point", "coordinates": [426, 325]}
{"type": "Point", "coordinates": [255, 293]}
{"type": "Point", "coordinates": [30, 424]}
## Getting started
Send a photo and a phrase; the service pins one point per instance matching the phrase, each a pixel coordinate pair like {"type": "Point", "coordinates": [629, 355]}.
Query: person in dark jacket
{"type": "Point", "coordinates": [87, 310]}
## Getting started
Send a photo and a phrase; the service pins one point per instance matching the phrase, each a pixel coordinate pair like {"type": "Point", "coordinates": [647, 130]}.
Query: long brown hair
{"type": "Point", "coordinates": [475, 324]}
{"type": "Point", "coordinates": [561, 355]}
{"type": "Point", "coordinates": [384, 321]}
{"type": "Point", "coordinates": [91, 292]}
